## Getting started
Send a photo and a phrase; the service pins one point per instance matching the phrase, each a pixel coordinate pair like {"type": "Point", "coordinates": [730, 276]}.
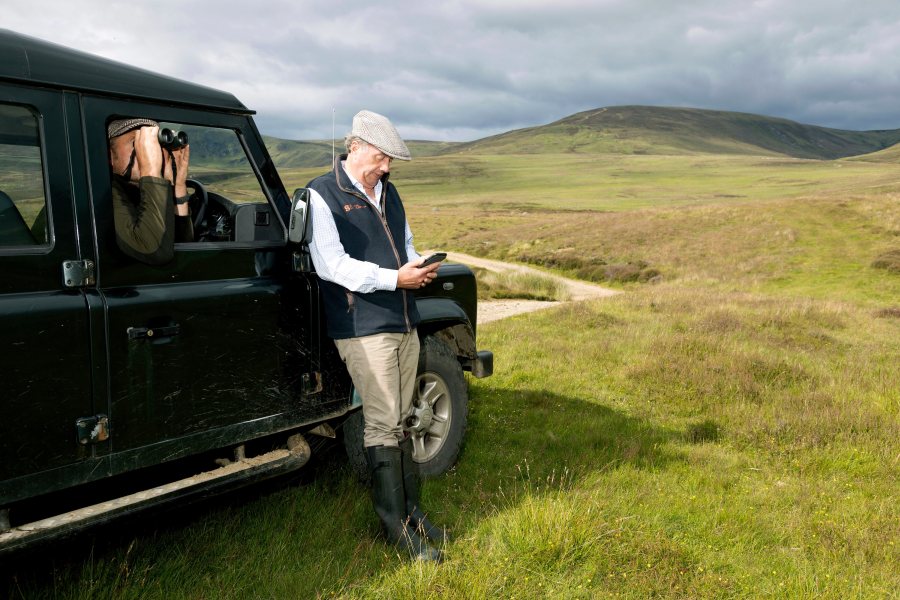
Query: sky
{"type": "Point", "coordinates": [459, 70]}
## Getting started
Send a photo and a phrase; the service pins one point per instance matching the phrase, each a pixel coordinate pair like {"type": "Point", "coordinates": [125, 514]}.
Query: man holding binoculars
{"type": "Point", "coordinates": [149, 191]}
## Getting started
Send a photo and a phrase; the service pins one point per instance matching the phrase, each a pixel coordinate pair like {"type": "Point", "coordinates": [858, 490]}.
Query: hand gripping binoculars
{"type": "Point", "coordinates": [172, 140]}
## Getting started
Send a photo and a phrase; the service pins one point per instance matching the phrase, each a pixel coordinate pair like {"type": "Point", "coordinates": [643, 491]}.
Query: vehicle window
{"type": "Point", "coordinates": [228, 203]}
{"type": "Point", "coordinates": [23, 213]}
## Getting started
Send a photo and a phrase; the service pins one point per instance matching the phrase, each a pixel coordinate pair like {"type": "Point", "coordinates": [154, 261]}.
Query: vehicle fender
{"type": "Point", "coordinates": [445, 319]}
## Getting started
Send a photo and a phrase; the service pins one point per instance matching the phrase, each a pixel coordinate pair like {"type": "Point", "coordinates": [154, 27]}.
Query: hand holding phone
{"type": "Point", "coordinates": [433, 258]}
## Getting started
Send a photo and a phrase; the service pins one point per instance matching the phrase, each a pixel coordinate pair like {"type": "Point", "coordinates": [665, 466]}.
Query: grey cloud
{"type": "Point", "coordinates": [463, 69]}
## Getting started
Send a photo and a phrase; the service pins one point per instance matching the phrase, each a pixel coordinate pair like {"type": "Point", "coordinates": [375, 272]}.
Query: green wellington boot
{"type": "Point", "coordinates": [388, 498]}
{"type": "Point", "coordinates": [415, 516]}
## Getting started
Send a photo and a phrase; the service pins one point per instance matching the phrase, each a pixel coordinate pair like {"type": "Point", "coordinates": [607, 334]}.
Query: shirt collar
{"type": "Point", "coordinates": [359, 186]}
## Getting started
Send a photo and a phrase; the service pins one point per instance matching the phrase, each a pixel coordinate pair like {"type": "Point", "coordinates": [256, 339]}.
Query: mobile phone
{"type": "Point", "coordinates": [436, 257]}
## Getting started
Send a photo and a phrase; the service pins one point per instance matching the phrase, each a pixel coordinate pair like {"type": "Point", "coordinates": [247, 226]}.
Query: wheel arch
{"type": "Point", "coordinates": [446, 320]}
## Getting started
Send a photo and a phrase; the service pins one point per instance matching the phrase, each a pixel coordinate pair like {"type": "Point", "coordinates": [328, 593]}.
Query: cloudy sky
{"type": "Point", "coordinates": [464, 69]}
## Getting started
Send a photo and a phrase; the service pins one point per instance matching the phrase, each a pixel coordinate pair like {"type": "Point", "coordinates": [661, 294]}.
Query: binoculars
{"type": "Point", "coordinates": [172, 140]}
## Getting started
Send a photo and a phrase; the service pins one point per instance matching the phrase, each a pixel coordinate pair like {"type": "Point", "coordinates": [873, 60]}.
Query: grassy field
{"type": "Point", "coordinates": [611, 182]}
{"type": "Point", "coordinates": [728, 428]}
{"type": "Point", "coordinates": [807, 228]}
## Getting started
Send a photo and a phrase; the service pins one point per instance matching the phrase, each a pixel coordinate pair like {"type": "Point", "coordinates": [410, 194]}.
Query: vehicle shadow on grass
{"type": "Point", "coordinates": [527, 440]}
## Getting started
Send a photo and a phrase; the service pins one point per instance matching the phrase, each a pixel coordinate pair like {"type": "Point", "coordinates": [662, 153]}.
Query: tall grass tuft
{"type": "Point", "coordinates": [889, 261]}
{"type": "Point", "coordinates": [524, 286]}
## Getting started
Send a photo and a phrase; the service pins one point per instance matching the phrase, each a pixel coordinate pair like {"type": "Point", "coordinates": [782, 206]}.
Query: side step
{"type": "Point", "coordinates": [241, 472]}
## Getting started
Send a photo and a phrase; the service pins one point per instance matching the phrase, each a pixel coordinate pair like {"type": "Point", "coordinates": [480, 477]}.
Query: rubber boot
{"type": "Point", "coordinates": [385, 464]}
{"type": "Point", "coordinates": [414, 514]}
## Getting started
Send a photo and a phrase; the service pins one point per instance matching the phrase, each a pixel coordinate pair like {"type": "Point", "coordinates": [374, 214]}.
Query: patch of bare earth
{"type": "Point", "coordinates": [492, 310]}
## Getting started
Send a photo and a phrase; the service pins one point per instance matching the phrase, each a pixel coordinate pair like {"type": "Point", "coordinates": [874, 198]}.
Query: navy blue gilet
{"type": "Point", "coordinates": [372, 237]}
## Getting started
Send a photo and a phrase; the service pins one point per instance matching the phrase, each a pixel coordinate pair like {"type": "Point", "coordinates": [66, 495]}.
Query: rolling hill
{"type": "Point", "coordinates": [890, 154]}
{"type": "Point", "coordinates": [633, 130]}
{"type": "Point", "coordinates": [659, 130]}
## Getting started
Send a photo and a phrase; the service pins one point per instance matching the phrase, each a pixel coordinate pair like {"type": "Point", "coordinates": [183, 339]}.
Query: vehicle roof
{"type": "Point", "coordinates": [29, 59]}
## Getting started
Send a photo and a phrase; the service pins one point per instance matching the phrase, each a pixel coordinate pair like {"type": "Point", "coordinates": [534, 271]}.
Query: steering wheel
{"type": "Point", "coordinates": [199, 202]}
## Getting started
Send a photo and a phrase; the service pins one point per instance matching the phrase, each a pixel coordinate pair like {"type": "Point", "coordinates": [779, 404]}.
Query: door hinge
{"type": "Point", "coordinates": [312, 383]}
{"type": "Point", "coordinates": [92, 430]}
{"type": "Point", "coordinates": [78, 273]}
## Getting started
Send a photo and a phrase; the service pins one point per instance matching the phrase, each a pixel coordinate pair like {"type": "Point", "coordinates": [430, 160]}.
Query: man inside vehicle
{"type": "Point", "coordinates": [149, 191]}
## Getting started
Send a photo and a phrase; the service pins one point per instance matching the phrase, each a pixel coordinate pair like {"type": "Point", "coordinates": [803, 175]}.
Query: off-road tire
{"type": "Point", "coordinates": [352, 436]}
{"type": "Point", "coordinates": [440, 382]}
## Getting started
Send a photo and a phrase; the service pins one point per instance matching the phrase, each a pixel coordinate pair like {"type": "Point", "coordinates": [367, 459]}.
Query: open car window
{"type": "Point", "coordinates": [228, 203]}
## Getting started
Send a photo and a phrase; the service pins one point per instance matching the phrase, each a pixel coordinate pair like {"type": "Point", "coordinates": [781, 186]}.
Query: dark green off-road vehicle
{"type": "Point", "coordinates": [125, 385]}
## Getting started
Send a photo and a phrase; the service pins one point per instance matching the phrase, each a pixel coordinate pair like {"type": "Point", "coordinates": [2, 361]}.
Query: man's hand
{"type": "Point", "coordinates": [148, 151]}
{"type": "Point", "coordinates": [412, 277]}
{"type": "Point", "coordinates": [182, 157]}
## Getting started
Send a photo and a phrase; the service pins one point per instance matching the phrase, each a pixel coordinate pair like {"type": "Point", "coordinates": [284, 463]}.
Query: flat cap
{"type": "Point", "coordinates": [117, 128]}
{"type": "Point", "coordinates": [380, 132]}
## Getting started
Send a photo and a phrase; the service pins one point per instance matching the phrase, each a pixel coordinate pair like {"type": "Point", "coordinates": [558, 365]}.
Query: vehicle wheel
{"type": "Point", "coordinates": [440, 409]}
{"type": "Point", "coordinates": [352, 434]}
{"type": "Point", "coordinates": [438, 421]}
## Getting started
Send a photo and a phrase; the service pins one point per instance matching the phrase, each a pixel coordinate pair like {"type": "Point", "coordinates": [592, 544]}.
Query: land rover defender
{"type": "Point", "coordinates": [125, 385]}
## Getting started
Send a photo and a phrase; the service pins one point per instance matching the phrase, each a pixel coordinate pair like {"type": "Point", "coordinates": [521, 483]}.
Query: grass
{"type": "Point", "coordinates": [615, 183]}
{"type": "Point", "coordinates": [828, 245]}
{"type": "Point", "coordinates": [584, 474]}
{"type": "Point", "coordinates": [729, 431]}
{"type": "Point", "coordinates": [610, 182]}
{"type": "Point", "coordinates": [525, 286]}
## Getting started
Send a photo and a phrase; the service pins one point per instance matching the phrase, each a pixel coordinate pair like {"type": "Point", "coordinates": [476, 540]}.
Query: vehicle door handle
{"type": "Point", "coordinates": [136, 333]}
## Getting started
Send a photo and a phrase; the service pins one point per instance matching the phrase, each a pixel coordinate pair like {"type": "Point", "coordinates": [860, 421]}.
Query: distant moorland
{"type": "Point", "coordinates": [635, 130]}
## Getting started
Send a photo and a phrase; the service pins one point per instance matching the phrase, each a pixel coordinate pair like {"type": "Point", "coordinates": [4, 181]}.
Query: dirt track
{"type": "Point", "coordinates": [493, 310]}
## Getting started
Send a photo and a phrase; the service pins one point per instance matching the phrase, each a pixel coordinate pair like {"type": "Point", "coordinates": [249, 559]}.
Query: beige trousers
{"type": "Point", "coordinates": [383, 369]}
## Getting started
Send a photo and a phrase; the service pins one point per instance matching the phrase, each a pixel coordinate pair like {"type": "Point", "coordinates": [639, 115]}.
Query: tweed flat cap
{"type": "Point", "coordinates": [380, 132]}
{"type": "Point", "coordinates": [117, 128]}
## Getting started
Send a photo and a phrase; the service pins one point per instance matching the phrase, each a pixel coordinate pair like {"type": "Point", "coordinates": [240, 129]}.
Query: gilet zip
{"type": "Point", "coordinates": [382, 216]}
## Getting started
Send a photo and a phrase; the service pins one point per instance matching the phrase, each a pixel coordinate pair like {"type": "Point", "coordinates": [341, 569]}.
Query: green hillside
{"type": "Point", "coordinates": [292, 154]}
{"type": "Point", "coordinates": [298, 154]}
{"type": "Point", "coordinates": [659, 130]}
{"type": "Point", "coordinates": [888, 155]}
{"type": "Point", "coordinates": [627, 130]}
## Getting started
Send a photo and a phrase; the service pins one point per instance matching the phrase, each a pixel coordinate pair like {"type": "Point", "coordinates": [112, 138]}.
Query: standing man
{"type": "Point", "coordinates": [362, 248]}
{"type": "Point", "coordinates": [149, 191]}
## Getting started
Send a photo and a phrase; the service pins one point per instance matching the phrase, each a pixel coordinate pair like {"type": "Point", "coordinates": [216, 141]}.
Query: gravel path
{"type": "Point", "coordinates": [492, 310]}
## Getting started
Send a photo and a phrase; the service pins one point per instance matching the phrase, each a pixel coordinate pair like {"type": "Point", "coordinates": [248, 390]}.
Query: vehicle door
{"type": "Point", "coordinates": [45, 332]}
{"type": "Point", "coordinates": [214, 346]}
